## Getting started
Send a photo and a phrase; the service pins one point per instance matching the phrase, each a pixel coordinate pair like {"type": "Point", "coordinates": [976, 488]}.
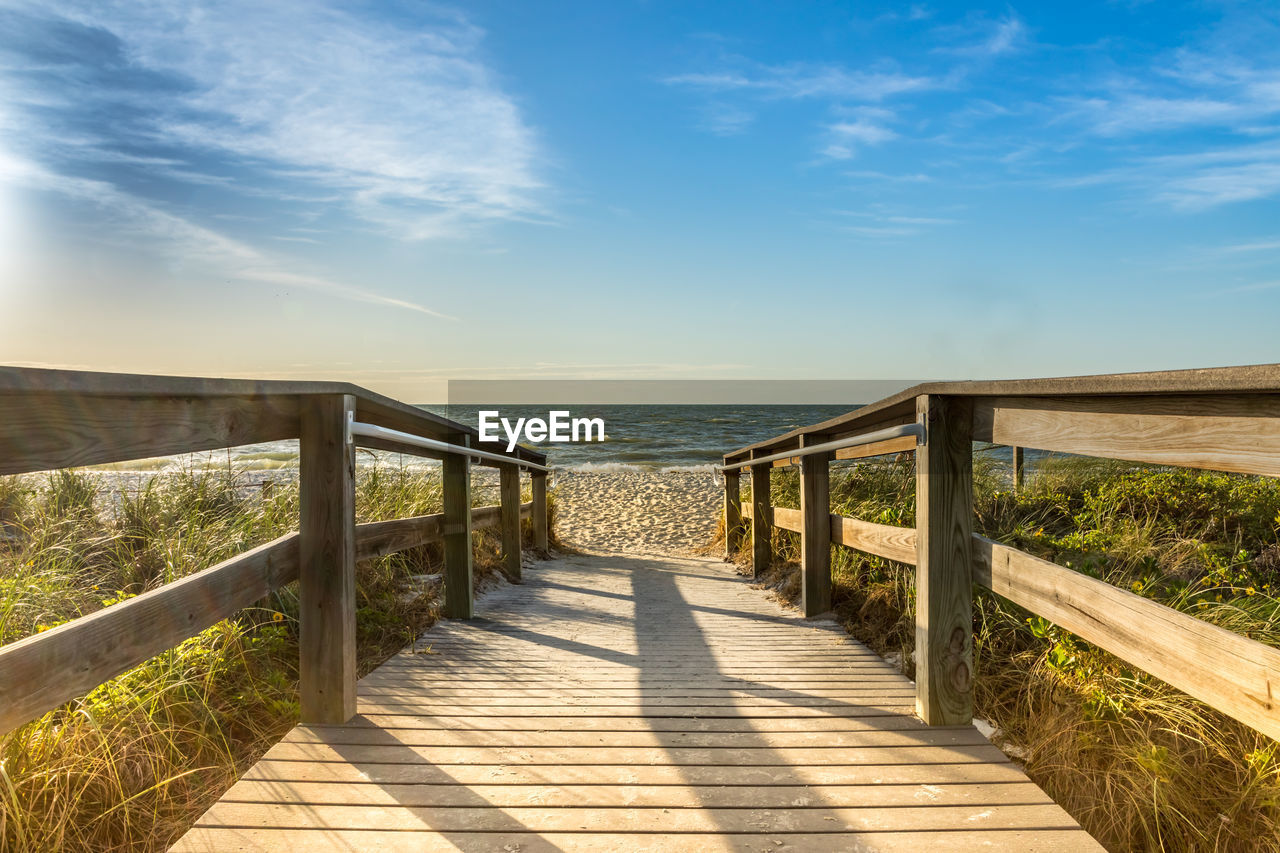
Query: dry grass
{"type": "Point", "coordinates": [134, 763]}
{"type": "Point", "coordinates": [1139, 764]}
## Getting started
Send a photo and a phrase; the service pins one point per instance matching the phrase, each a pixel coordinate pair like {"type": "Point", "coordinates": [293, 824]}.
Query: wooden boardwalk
{"type": "Point", "coordinates": [622, 703]}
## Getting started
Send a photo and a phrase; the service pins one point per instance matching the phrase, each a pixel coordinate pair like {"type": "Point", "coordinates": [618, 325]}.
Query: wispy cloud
{"type": "Point", "coordinates": [985, 38]}
{"type": "Point", "coordinates": [189, 242]}
{"type": "Point", "coordinates": [402, 125]}
{"type": "Point", "coordinates": [805, 81]}
{"type": "Point", "coordinates": [866, 126]}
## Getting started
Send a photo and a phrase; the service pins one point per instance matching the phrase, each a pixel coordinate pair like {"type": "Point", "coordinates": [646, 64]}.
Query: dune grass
{"type": "Point", "coordinates": [1139, 764]}
{"type": "Point", "coordinates": [134, 763]}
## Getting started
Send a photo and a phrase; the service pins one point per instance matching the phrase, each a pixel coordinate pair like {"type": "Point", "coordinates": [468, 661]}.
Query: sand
{"type": "Point", "coordinates": [648, 512]}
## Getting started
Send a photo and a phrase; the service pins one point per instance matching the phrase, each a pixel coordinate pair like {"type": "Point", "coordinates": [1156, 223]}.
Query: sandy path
{"type": "Point", "coordinates": [636, 512]}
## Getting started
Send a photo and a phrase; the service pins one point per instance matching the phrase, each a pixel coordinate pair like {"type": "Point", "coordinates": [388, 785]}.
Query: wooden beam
{"type": "Point", "coordinates": [944, 545]}
{"type": "Point", "coordinates": [41, 431]}
{"type": "Point", "coordinates": [380, 538]}
{"type": "Point", "coordinates": [732, 513]}
{"type": "Point", "coordinates": [905, 444]}
{"type": "Point", "coordinates": [509, 492]}
{"type": "Point", "coordinates": [882, 540]}
{"type": "Point", "coordinates": [1019, 468]}
{"type": "Point", "coordinates": [1238, 676]}
{"type": "Point", "coordinates": [541, 517]}
{"type": "Point", "coordinates": [815, 531]}
{"type": "Point", "coordinates": [458, 595]}
{"type": "Point", "coordinates": [327, 562]}
{"type": "Point", "coordinates": [40, 672]}
{"type": "Point", "coordinates": [761, 536]}
{"type": "Point", "coordinates": [1220, 432]}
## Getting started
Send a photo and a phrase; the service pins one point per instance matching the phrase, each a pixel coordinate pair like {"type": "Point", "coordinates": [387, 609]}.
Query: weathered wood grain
{"type": "Point", "coordinates": [327, 562]}
{"type": "Point", "coordinates": [541, 522]}
{"type": "Point", "coordinates": [42, 671]}
{"type": "Point", "coordinates": [900, 408]}
{"type": "Point", "coordinates": [42, 431]}
{"type": "Point", "coordinates": [1238, 676]}
{"type": "Point", "coordinates": [815, 530]}
{"type": "Point", "coordinates": [593, 708]}
{"type": "Point", "coordinates": [732, 513]}
{"type": "Point", "coordinates": [883, 540]}
{"type": "Point", "coordinates": [509, 494]}
{"type": "Point", "coordinates": [944, 546]}
{"type": "Point", "coordinates": [458, 594]}
{"type": "Point", "coordinates": [1220, 432]}
{"type": "Point", "coordinates": [761, 519]}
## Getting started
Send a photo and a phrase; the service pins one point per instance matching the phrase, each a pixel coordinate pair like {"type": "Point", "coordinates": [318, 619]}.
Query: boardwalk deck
{"type": "Point", "coordinates": [622, 703]}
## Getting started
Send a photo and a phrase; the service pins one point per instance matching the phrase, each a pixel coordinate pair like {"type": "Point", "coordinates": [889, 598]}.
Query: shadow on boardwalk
{"type": "Point", "coordinates": [626, 703]}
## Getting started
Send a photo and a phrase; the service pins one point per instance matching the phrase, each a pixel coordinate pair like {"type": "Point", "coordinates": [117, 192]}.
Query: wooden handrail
{"type": "Point", "coordinates": [40, 672]}
{"type": "Point", "coordinates": [1249, 381]}
{"type": "Point", "coordinates": [53, 419]}
{"type": "Point", "coordinates": [1225, 419]}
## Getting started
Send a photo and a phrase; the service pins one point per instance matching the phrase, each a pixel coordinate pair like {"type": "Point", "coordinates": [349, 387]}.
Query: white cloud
{"type": "Point", "coordinates": [186, 241]}
{"type": "Point", "coordinates": [405, 125]}
{"type": "Point", "coordinates": [807, 80]}
{"type": "Point", "coordinates": [866, 127]}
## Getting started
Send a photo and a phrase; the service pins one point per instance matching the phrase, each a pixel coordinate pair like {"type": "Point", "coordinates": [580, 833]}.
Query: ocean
{"type": "Point", "coordinates": [637, 437]}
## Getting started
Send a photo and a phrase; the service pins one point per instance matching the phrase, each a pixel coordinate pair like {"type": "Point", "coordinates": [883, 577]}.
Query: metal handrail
{"type": "Point", "coordinates": [853, 441]}
{"type": "Point", "coordinates": [373, 431]}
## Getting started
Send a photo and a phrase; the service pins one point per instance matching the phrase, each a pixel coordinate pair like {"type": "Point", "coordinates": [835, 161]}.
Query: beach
{"type": "Point", "coordinates": [672, 512]}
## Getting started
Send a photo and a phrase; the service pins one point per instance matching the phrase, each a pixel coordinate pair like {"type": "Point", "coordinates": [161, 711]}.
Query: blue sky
{"type": "Point", "coordinates": [398, 194]}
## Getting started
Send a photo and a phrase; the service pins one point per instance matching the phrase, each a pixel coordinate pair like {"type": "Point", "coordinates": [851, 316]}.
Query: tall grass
{"type": "Point", "coordinates": [131, 765]}
{"type": "Point", "coordinates": [1139, 764]}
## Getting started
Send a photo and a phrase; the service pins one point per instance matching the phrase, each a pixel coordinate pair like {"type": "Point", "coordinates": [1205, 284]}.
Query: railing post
{"type": "Point", "coordinates": [732, 513]}
{"type": "Point", "coordinates": [761, 516]}
{"type": "Point", "coordinates": [541, 519]}
{"type": "Point", "coordinates": [458, 599]}
{"type": "Point", "coordinates": [509, 491]}
{"type": "Point", "coordinates": [815, 533]}
{"type": "Point", "coordinates": [944, 546]}
{"type": "Point", "coordinates": [327, 561]}
{"type": "Point", "coordinates": [1018, 469]}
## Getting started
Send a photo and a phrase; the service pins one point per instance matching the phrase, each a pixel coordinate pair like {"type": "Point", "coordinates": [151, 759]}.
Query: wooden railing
{"type": "Point", "coordinates": [58, 419]}
{"type": "Point", "coordinates": [1225, 419]}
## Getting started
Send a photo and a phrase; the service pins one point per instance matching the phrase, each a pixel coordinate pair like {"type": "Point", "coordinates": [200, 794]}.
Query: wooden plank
{"type": "Point", "coordinates": [380, 538]}
{"type": "Point", "coordinates": [944, 531]}
{"type": "Point", "coordinates": [761, 520]}
{"type": "Point", "coordinates": [509, 494]}
{"type": "Point", "coordinates": [42, 671]}
{"type": "Point", "coordinates": [1219, 432]}
{"type": "Point", "coordinates": [327, 562]}
{"type": "Point", "coordinates": [751, 777]}
{"type": "Point", "coordinates": [638, 820]}
{"type": "Point", "coordinates": [732, 513]}
{"type": "Point", "coordinates": [396, 753]}
{"type": "Point", "coordinates": [815, 530]}
{"type": "Point", "coordinates": [786, 518]}
{"type": "Point", "coordinates": [840, 840]}
{"type": "Point", "coordinates": [43, 431]}
{"type": "Point", "coordinates": [877, 738]}
{"type": "Point", "coordinates": [635, 796]}
{"type": "Point", "coordinates": [905, 444]}
{"type": "Point", "coordinates": [540, 513]}
{"type": "Point", "coordinates": [883, 540]}
{"type": "Point", "coordinates": [597, 702]}
{"type": "Point", "coordinates": [1238, 676]}
{"type": "Point", "coordinates": [458, 594]}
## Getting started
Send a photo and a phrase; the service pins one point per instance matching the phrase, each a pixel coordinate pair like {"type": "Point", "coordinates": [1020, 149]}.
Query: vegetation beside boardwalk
{"type": "Point", "coordinates": [1139, 764]}
{"type": "Point", "coordinates": [134, 763]}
